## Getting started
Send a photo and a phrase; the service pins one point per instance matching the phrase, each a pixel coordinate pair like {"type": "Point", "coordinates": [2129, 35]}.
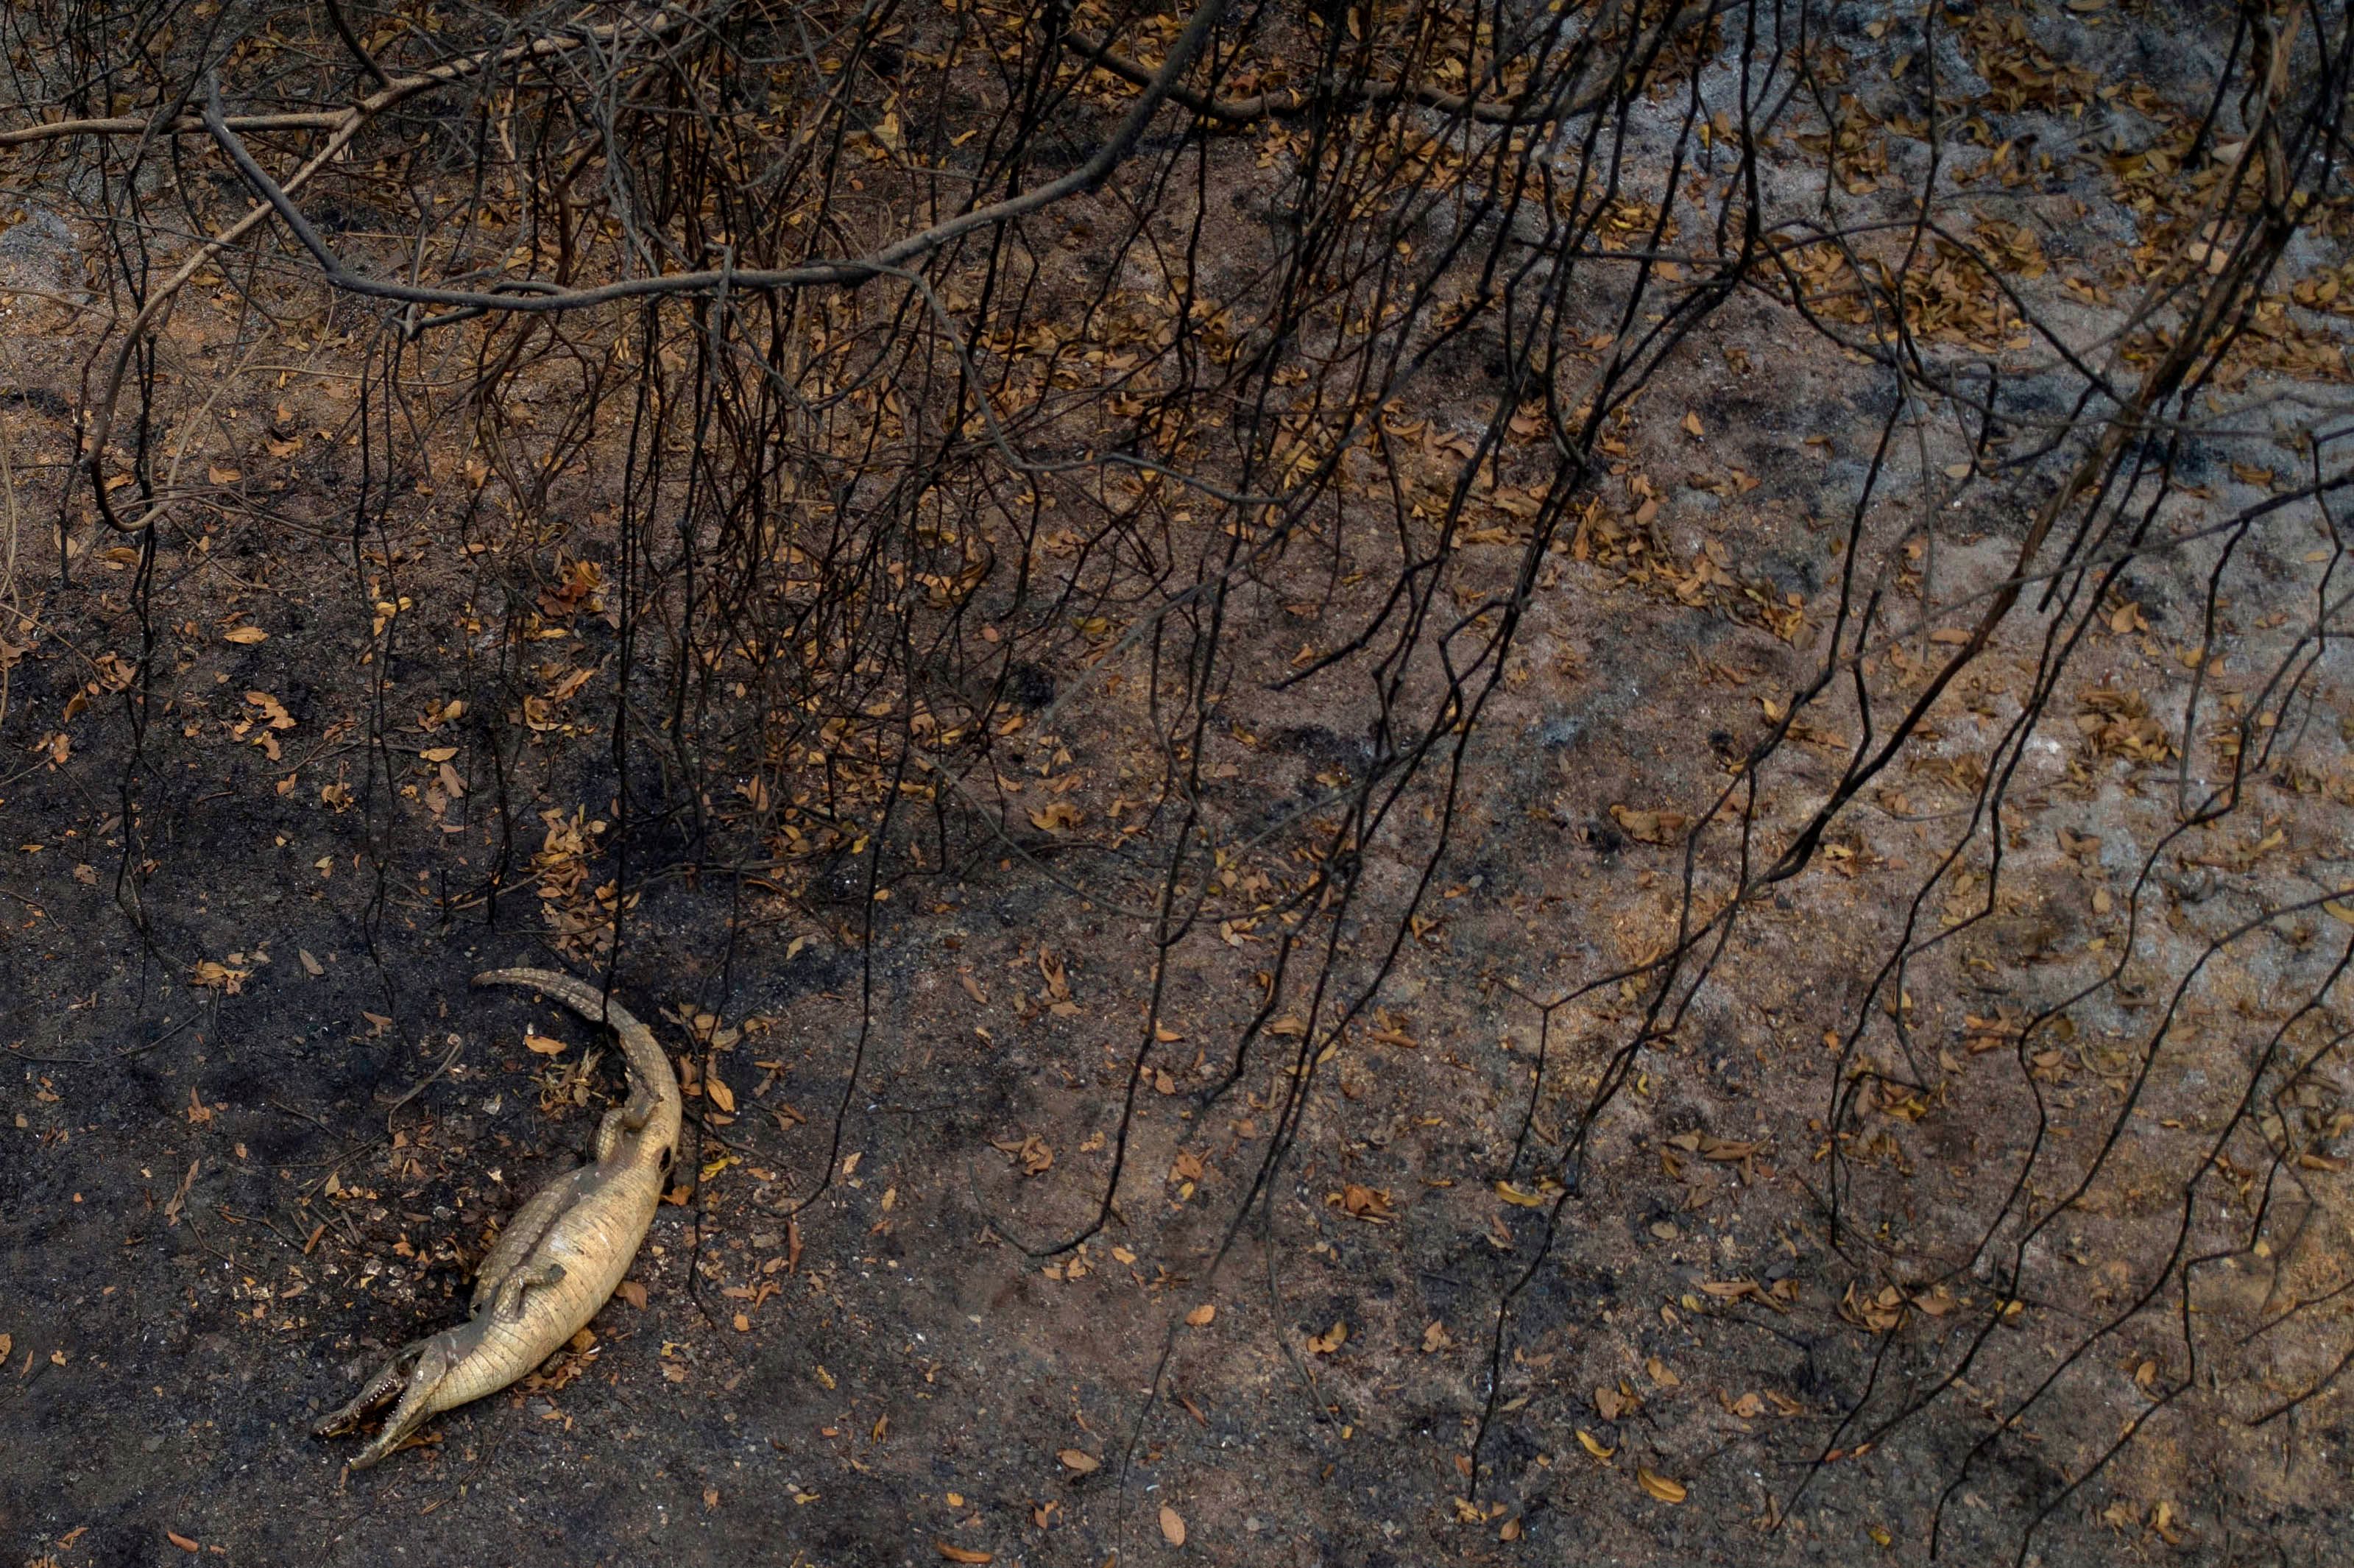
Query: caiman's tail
{"type": "Point", "coordinates": [648, 1064]}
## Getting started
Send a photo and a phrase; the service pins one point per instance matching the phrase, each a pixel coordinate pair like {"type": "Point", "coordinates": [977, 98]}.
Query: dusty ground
{"type": "Point", "coordinates": [225, 1193]}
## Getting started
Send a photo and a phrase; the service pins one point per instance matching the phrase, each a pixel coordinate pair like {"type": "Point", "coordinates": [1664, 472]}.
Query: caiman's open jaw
{"type": "Point", "coordinates": [428, 1363]}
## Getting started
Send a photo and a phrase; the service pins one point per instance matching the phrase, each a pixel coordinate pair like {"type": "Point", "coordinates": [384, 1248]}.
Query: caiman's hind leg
{"type": "Point", "coordinates": [435, 1358]}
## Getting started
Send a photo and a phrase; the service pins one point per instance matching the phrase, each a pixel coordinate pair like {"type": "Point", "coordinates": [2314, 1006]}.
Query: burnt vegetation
{"type": "Point", "coordinates": [1627, 720]}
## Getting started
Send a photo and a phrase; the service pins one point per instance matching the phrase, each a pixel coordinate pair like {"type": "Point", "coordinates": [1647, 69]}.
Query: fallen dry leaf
{"type": "Point", "coordinates": [245, 636]}
{"type": "Point", "coordinates": [721, 1095]}
{"type": "Point", "coordinates": [541, 1046]}
{"type": "Point", "coordinates": [1659, 1486]}
{"type": "Point", "coordinates": [1200, 1317]}
{"type": "Point", "coordinates": [963, 1554]}
{"type": "Point", "coordinates": [1055, 817]}
{"type": "Point", "coordinates": [1172, 1526]}
{"type": "Point", "coordinates": [1650, 827]}
{"type": "Point", "coordinates": [1079, 1461]}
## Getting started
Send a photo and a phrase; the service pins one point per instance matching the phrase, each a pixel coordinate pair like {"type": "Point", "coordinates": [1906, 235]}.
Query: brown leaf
{"type": "Point", "coordinates": [721, 1095]}
{"type": "Point", "coordinates": [1172, 1526]}
{"type": "Point", "coordinates": [963, 1554]}
{"type": "Point", "coordinates": [1659, 1486]}
{"type": "Point", "coordinates": [1202, 1317]}
{"type": "Point", "coordinates": [1032, 1153]}
{"type": "Point", "coordinates": [182, 1541]}
{"type": "Point", "coordinates": [212, 975]}
{"type": "Point", "coordinates": [1331, 1340]}
{"type": "Point", "coordinates": [1055, 816]}
{"type": "Point", "coordinates": [245, 636]}
{"type": "Point", "coordinates": [1650, 827]}
{"type": "Point", "coordinates": [1079, 1461]}
{"type": "Point", "coordinates": [541, 1046]}
{"type": "Point", "coordinates": [632, 1292]}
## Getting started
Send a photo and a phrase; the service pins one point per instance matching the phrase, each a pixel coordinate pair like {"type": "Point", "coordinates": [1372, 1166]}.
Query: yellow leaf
{"type": "Point", "coordinates": [1594, 1445]}
{"type": "Point", "coordinates": [963, 1554]}
{"type": "Point", "coordinates": [245, 636]}
{"type": "Point", "coordinates": [541, 1046]}
{"type": "Point", "coordinates": [1055, 816]}
{"type": "Point", "coordinates": [1331, 1340]}
{"type": "Point", "coordinates": [721, 1095]}
{"type": "Point", "coordinates": [1201, 1316]}
{"type": "Point", "coordinates": [1659, 1486]}
{"type": "Point", "coordinates": [1511, 1194]}
{"type": "Point", "coordinates": [2338, 910]}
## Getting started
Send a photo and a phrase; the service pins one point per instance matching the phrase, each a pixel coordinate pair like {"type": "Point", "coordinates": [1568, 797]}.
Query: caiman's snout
{"type": "Point", "coordinates": [423, 1365]}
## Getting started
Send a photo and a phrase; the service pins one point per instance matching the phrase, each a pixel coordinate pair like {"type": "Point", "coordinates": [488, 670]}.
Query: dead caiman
{"type": "Point", "coordinates": [559, 1259]}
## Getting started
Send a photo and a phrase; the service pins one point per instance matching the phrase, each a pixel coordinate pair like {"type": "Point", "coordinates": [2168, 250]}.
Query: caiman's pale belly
{"type": "Point", "coordinates": [594, 1241]}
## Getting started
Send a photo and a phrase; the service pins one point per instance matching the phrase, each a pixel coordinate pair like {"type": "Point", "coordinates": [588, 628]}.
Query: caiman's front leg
{"type": "Point", "coordinates": [529, 1226]}
{"type": "Point", "coordinates": [508, 1303]}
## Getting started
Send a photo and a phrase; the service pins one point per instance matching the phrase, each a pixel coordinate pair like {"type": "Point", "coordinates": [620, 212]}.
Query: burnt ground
{"type": "Point", "coordinates": [258, 1128]}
